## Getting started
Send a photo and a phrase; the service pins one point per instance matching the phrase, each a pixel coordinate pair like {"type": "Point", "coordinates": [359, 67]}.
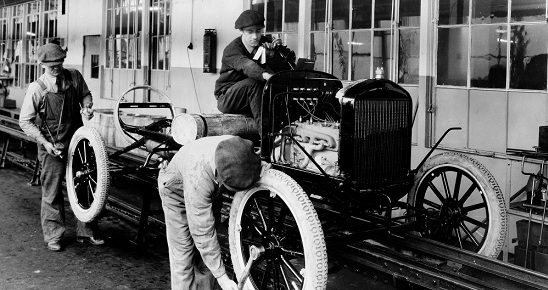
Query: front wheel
{"type": "Point", "coordinates": [87, 175]}
{"type": "Point", "coordinates": [276, 215]}
{"type": "Point", "coordinates": [459, 203]}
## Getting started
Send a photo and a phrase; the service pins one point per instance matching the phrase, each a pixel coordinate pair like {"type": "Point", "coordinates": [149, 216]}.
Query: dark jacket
{"type": "Point", "coordinates": [238, 64]}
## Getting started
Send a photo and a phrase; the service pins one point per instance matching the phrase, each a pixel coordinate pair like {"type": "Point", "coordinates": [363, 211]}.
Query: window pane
{"type": "Point", "coordinates": [110, 29]}
{"type": "Point", "coordinates": [291, 41]}
{"type": "Point", "coordinates": [117, 18]}
{"type": "Point", "coordinates": [528, 10]}
{"type": "Point", "coordinates": [528, 56]}
{"type": "Point", "coordinates": [317, 50]}
{"type": "Point", "coordinates": [154, 20]}
{"type": "Point", "coordinates": [381, 51]}
{"type": "Point", "coordinates": [361, 55]}
{"type": "Point", "coordinates": [361, 14]}
{"type": "Point", "coordinates": [139, 52]}
{"type": "Point", "coordinates": [453, 12]}
{"type": "Point", "coordinates": [117, 55]}
{"type": "Point", "coordinates": [167, 45]}
{"type": "Point", "coordinates": [341, 14]}
{"type": "Point", "coordinates": [408, 59]}
{"type": "Point", "coordinates": [125, 16]}
{"type": "Point", "coordinates": [108, 60]}
{"type": "Point", "coordinates": [410, 13]}
{"type": "Point", "coordinates": [489, 11]}
{"type": "Point", "coordinates": [340, 55]}
{"type": "Point", "coordinates": [154, 46]}
{"type": "Point", "coordinates": [488, 61]}
{"type": "Point", "coordinates": [258, 6]}
{"type": "Point", "coordinates": [94, 66]}
{"type": "Point", "coordinates": [168, 17]}
{"type": "Point", "coordinates": [291, 15]}
{"type": "Point", "coordinates": [124, 53]}
{"type": "Point", "coordinates": [318, 15]}
{"type": "Point", "coordinates": [452, 56]}
{"type": "Point", "coordinates": [131, 52]}
{"type": "Point", "coordinates": [161, 18]}
{"type": "Point", "coordinates": [131, 23]}
{"type": "Point", "coordinates": [274, 15]}
{"type": "Point", "coordinates": [383, 13]}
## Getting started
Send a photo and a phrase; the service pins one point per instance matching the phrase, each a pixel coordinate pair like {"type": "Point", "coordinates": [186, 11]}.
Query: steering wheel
{"type": "Point", "coordinates": [146, 113]}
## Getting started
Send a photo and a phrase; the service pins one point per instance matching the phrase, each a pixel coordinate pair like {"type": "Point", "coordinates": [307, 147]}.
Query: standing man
{"type": "Point", "coordinates": [57, 98]}
{"type": "Point", "coordinates": [244, 72]}
{"type": "Point", "coordinates": [190, 188]}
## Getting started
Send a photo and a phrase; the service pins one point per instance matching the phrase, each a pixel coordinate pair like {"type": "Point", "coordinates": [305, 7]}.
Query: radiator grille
{"type": "Point", "coordinates": [381, 141]}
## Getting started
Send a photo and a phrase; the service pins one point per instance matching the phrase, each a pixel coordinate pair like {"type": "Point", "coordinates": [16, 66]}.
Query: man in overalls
{"type": "Point", "coordinates": [59, 98]}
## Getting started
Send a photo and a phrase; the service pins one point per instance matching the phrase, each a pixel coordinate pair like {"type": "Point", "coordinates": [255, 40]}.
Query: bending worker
{"type": "Point", "coordinates": [190, 188]}
{"type": "Point", "coordinates": [244, 71]}
{"type": "Point", "coordinates": [59, 97]}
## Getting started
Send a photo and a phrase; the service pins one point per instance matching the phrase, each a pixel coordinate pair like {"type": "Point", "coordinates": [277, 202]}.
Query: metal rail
{"type": "Point", "coordinates": [416, 261]}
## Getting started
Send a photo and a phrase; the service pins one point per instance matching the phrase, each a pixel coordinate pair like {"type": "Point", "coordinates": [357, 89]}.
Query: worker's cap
{"type": "Point", "coordinates": [250, 19]}
{"type": "Point", "coordinates": [51, 54]}
{"type": "Point", "coordinates": [237, 164]}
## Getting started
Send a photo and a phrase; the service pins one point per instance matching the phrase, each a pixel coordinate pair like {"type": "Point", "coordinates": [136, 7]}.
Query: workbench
{"type": "Point", "coordinates": [10, 130]}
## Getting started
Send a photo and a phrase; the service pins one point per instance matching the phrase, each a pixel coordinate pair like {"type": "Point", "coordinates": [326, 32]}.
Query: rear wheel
{"type": "Point", "coordinates": [87, 175]}
{"type": "Point", "coordinates": [278, 216]}
{"type": "Point", "coordinates": [459, 203]}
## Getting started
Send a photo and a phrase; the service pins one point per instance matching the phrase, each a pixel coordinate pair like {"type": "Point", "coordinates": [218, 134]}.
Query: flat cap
{"type": "Point", "coordinates": [51, 54]}
{"type": "Point", "coordinates": [237, 163]}
{"type": "Point", "coordinates": [249, 18]}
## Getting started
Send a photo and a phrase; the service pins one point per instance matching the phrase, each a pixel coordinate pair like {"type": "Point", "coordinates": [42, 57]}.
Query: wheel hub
{"type": "Point", "coordinates": [451, 212]}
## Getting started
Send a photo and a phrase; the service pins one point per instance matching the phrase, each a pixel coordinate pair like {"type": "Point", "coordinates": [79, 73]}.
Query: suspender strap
{"type": "Point", "coordinates": [41, 83]}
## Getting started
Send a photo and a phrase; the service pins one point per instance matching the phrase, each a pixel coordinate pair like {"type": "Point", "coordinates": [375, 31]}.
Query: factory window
{"type": "Point", "coordinates": [160, 31]}
{"type": "Point", "coordinates": [4, 51]}
{"type": "Point", "coordinates": [491, 74]}
{"type": "Point", "coordinates": [23, 28]}
{"type": "Point", "coordinates": [30, 63]}
{"type": "Point", "coordinates": [16, 42]}
{"type": "Point", "coordinates": [50, 22]}
{"type": "Point", "coordinates": [282, 19]}
{"type": "Point", "coordinates": [124, 24]}
{"type": "Point", "coordinates": [362, 37]}
{"type": "Point", "coordinates": [482, 44]}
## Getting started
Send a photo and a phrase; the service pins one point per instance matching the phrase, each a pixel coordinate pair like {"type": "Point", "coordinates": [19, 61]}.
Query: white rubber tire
{"type": "Point", "coordinates": [87, 153]}
{"type": "Point", "coordinates": [282, 188]}
{"type": "Point", "coordinates": [489, 191]}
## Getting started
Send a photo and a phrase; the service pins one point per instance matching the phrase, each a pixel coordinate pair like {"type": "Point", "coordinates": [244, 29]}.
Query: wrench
{"type": "Point", "coordinates": [254, 254]}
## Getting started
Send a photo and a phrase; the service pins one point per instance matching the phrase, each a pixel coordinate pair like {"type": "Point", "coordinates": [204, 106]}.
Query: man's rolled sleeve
{"type": "Point", "coordinates": [29, 111]}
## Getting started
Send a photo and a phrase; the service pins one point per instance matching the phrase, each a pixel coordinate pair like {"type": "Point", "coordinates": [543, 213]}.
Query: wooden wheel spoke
{"type": "Point", "coordinates": [436, 191]}
{"type": "Point", "coordinates": [481, 205]}
{"type": "Point", "coordinates": [260, 212]}
{"type": "Point", "coordinates": [432, 204]}
{"type": "Point", "coordinates": [253, 224]}
{"type": "Point", "coordinates": [468, 193]}
{"type": "Point", "coordinates": [477, 223]}
{"type": "Point", "coordinates": [445, 185]}
{"type": "Point", "coordinates": [469, 234]}
{"type": "Point", "coordinates": [292, 269]}
{"type": "Point", "coordinates": [458, 181]}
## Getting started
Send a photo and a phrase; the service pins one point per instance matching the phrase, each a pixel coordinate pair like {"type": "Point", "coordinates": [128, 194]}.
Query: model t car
{"type": "Point", "coordinates": [341, 172]}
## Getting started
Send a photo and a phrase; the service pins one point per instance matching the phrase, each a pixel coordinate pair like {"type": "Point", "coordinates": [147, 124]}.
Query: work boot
{"type": "Point", "coordinates": [91, 240]}
{"type": "Point", "coordinates": [54, 246]}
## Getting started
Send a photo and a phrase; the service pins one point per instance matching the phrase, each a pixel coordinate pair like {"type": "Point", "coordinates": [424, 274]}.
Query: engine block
{"type": "Point", "coordinates": [303, 141]}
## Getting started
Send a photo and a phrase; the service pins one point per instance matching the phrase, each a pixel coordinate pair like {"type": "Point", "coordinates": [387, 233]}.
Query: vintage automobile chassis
{"type": "Point", "coordinates": [341, 172]}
